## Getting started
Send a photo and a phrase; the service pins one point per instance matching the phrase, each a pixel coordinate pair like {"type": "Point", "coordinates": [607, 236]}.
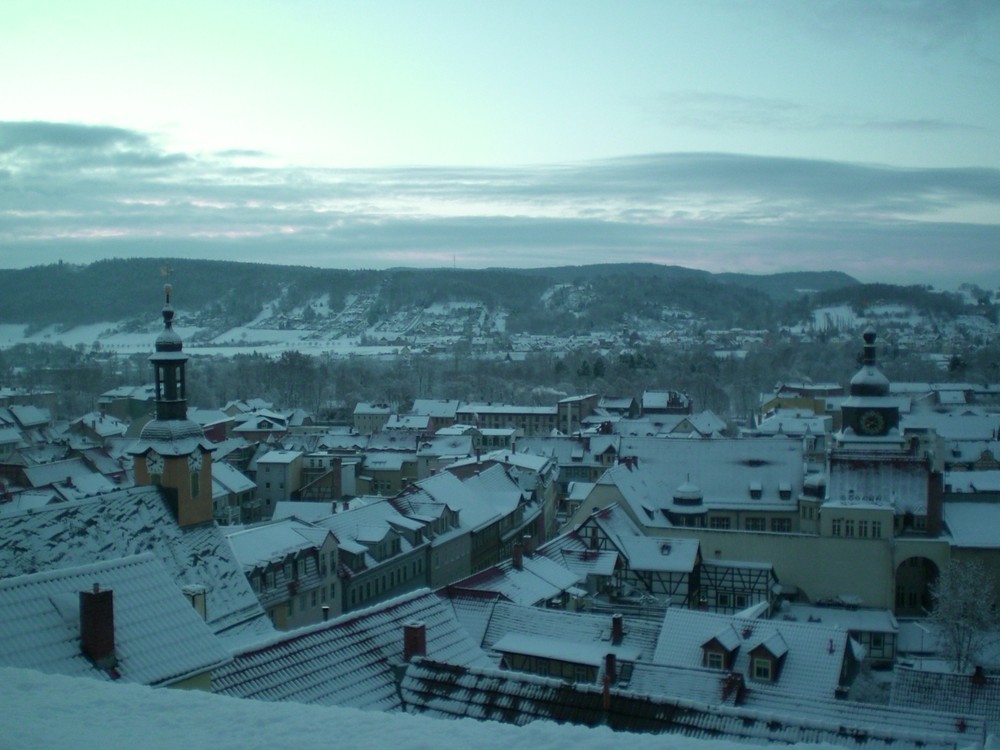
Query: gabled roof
{"type": "Point", "coordinates": [125, 523]}
{"type": "Point", "coordinates": [349, 661]}
{"type": "Point", "coordinates": [159, 637]}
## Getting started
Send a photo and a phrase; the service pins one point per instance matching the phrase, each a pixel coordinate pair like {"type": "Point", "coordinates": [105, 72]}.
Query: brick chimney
{"type": "Point", "coordinates": [611, 667]}
{"type": "Point", "coordinates": [97, 626]}
{"type": "Point", "coordinates": [517, 556]}
{"type": "Point", "coordinates": [617, 628]}
{"type": "Point", "coordinates": [414, 640]}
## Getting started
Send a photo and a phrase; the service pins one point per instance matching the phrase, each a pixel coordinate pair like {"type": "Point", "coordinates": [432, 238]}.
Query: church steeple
{"type": "Point", "coordinates": [172, 451]}
{"type": "Point", "coordinates": [169, 363]}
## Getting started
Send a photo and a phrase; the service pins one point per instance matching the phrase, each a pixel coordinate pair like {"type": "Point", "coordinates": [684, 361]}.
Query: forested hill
{"type": "Point", "coordinates": [545, 300]}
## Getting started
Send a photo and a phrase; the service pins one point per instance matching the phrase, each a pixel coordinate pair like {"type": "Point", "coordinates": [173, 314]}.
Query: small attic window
{"type": "Point", "coordinates": [756, 490]}
{"type": "Point", "coordinates": [785, 490]}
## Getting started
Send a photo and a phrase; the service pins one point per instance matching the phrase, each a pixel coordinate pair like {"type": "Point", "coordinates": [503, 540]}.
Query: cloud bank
{"type": "Point", "coordinates": [79, 193]}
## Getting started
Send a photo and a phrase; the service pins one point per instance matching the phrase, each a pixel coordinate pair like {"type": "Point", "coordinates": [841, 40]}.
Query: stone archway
{"type": "Point", "coordinates": [914, 578]}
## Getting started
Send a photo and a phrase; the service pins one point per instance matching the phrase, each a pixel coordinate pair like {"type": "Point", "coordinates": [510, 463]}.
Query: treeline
{"type": "Point", "coordinates": [331, 387]}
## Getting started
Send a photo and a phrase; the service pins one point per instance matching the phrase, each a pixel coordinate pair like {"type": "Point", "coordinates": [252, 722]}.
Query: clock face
{"type": "Point", "coordinates": [154, 463]}
{"type": "Point", "coordinates": [871, 422]}
{"type": "Point", "coordinates": [194, 460]}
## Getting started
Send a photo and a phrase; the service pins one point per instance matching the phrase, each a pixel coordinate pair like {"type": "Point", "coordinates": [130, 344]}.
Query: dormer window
{"type": "Point", "coordinates": [715, 660]}
{"type": "Point", "coordinates": [767, 657]}
{"type": "Point", "coordinates": [785, 490]}
{"type": "Point", "coordinates": [756, 490]}
{"type": "Point", "coordinates": [762, 669]}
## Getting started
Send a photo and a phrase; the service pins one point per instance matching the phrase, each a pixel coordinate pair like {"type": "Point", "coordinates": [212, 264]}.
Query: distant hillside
{"type": "Point", "coordinates": [559, 300]}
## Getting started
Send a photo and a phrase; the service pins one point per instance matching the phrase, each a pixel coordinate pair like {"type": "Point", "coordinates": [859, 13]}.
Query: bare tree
{"type": "Point", "coordinates": [965, 612]}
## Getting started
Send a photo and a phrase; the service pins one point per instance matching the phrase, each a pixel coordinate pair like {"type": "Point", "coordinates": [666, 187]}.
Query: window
{"type": "Point", "coordinates": [782, 525]}
{"type": "Point", "coordinates": [877, 529]}
{"type": "Point", "coordinates": [863, 529]}
{"type": "Point", "coordinates": [761, 669]}
{"type": "Point", "coordinates": [878, 640]}
{"type": "Point", "coordinates": [755, 524]}
{"type": "Point", "coordinates": [301, 567]}
{"type": "Point", "coordinates": [849, 527]}
{"type": "Point", "coordinates": [719, 522]}
{"type": "Point", "coordinates": [333, 591]}
{"type": "Point", "coordinates": [290, 607]}
{"type": "Point", "coordinates": [835, 526]}
{"type": "Point", "coordinates": [723, 600]}
{"type": "Point", "coordinates": [714, 660]}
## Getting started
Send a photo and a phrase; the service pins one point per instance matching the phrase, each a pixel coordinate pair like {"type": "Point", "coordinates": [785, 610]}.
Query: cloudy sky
{"type": "Point", "coordinates": [854, 135]}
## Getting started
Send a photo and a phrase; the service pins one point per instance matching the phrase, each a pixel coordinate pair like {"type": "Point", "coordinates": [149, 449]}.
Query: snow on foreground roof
{"type": "Point", "coordinates": [94, 714]}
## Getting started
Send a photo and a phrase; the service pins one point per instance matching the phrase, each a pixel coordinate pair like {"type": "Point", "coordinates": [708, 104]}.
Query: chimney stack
{"type": "Point", "coordinates": [197, 595]}
{"type": "Point", "coordinates": [326, 612]}
{"type": "Point", "coordinates": [97, 626]}
{"type": "Point", "coordinates": [517, 556]}
{"type": "Point", "coordinates": [617, 628]}
{"type": "Point", "coordinates": [610, 668]}
{"type": "Point", "coordinates": [414, 640]}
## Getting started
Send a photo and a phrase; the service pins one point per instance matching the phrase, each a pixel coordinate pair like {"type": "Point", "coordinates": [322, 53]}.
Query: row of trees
{"type": "Point", "coordinates": [730, 386]}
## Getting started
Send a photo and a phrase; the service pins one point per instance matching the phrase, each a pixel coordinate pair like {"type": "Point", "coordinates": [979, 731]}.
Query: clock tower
{"type": "Point", "coordinates": [172, 451]}
{"type": "Point", "coordinates": [869, 415]}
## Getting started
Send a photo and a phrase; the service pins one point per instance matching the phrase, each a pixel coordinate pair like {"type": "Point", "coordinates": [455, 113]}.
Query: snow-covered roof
{"type": "Point", "coordinates": [722, 469]}
{"type": "Point", "coordinates": [853, 619]}
{"type": "Point", "coordinates": [211, 722]}
{"type": "Point", "coordinates": [438, 408]}
{"type": "Point", "coordinates": [348, 661]}
{"type": "Point", "coordinates": [954, 426]}
{"type": "Point", "coordinates": [231, 479]}
{"type": "Point", "coordinates": [159, 637]}
{"type": "Point", "coordinates": [973, 525]}
{"type": "Point", "coordinates": [583, 629]}
{"type": "Point", "coordinates": [279, 457]}
{"type": "Point", "coordinates": [539, 579]}
{"type": "Point", "coordinates": [257, 546]}
{"type": "Point", "coordinates": [125, 523]}
{"type": "Point", "coordinates": [811, 669]}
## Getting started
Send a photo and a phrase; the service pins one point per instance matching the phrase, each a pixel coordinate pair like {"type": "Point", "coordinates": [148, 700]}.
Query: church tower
{"type": "Point", "coordinates": [870, 415]}
{"type": "Point", "coordinates": [172, 451]}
